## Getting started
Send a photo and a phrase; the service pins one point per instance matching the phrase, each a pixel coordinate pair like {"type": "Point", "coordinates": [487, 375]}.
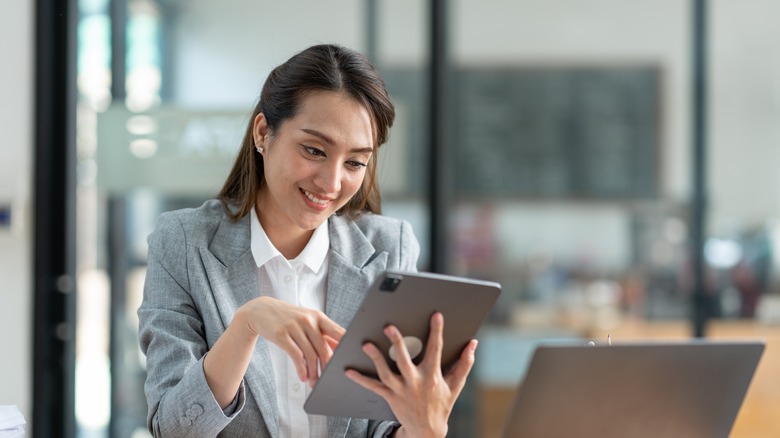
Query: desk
{"type": "Point", "coordinates": [759, 415]}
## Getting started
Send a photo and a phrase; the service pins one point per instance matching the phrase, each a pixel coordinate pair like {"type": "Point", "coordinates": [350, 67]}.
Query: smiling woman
{"type": "Point", "coordinates": [246, 297]}
{"type": "Point", "coordinates": [320, 68]}
{"type": "Point", "coordinates": [313, 165]}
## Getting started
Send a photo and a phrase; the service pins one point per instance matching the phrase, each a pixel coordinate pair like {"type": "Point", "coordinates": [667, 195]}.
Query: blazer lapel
{"type": "Point", "coordinates": [232, 274]}
{"type": "Point", "coordinates": [353, 266]}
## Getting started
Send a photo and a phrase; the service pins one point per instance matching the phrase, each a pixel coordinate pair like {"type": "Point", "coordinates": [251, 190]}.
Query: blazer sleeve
{"type": "Point", "coordinates": [172, 336]}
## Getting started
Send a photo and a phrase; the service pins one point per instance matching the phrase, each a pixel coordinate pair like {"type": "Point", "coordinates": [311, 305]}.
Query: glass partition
{"type": "Point", "coordinates": [573, 178]}
{"type": "Point", "coordinates": [568, 153]}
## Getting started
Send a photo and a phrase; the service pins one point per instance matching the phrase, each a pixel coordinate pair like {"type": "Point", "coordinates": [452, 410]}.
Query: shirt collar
{"type": "Point", "coordinates": [312, 256]}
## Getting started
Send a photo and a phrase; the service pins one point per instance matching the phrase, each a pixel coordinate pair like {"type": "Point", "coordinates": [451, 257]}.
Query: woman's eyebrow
{"type": "Point", "coordinates": [330, 141]}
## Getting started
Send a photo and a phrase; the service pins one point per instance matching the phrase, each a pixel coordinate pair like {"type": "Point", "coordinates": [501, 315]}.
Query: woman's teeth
{"type": "Point", "coordinates": [313, 199]}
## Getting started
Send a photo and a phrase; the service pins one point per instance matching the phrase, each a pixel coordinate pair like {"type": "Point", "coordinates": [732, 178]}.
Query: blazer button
{"type": "Point", "coordinates": [197, 409]}
{"type": "Point", "coordinates": [184, 421]}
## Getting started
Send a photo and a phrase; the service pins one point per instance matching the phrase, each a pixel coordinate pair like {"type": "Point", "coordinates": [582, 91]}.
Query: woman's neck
{"type": "Point", "coordinates": [290, 246]}
{"type": "Point", "coordinates": [288, 240]}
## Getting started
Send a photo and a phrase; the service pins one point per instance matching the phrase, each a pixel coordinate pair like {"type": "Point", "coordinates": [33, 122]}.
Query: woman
{"type": "Point", "coordinates": [247, 296]}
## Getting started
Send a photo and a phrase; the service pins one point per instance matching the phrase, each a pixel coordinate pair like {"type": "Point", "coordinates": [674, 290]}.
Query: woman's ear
{"type": "Point", "coordinates": [259, 129]}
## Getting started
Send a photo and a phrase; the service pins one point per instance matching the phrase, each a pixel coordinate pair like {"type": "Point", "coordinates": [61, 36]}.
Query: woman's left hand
{"type": "Point", "coordinates": [421, 397]}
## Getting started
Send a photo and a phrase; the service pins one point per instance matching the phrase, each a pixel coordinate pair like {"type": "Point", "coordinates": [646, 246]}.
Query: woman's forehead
{"type": "Point", "coordinates": [334, 116]}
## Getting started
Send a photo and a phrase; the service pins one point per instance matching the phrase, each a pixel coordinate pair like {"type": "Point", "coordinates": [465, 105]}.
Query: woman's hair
{"type": "Point", "coordinates": [321, 67]}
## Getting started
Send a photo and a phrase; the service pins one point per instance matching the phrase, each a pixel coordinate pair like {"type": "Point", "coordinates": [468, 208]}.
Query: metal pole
{"type": "Point", "coordinates": [118, 14]}
{"type": "Point", "coordinates": [372, 30]}
{"type": "Point", "coordinates": [702, 300]}
{"type": "Point", "coordinates": [436, 160]}
{"type": "Point", "coordinates": [462, 418]}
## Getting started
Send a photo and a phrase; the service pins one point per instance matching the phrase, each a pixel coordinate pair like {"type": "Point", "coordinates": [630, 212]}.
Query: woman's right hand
{"type": "Point", "coordinates": [307, 336]}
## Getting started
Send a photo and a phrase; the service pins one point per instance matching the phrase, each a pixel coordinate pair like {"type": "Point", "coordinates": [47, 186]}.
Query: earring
{"type": "Point", "coordinates": [259, 149]}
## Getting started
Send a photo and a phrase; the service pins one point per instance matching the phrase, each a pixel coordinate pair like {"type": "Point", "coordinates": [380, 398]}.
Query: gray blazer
{"type": "Point", "coordinates": [200, 271]}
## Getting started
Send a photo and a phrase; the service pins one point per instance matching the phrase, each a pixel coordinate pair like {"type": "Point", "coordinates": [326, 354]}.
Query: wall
{"type": "Point", "coordinates": [209, 38]}
{"type": "Point", "coordinates": [16, 118]}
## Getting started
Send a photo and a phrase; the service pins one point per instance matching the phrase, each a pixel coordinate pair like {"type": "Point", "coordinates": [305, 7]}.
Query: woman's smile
{"type": "Point", "coordinates": [319, 203]}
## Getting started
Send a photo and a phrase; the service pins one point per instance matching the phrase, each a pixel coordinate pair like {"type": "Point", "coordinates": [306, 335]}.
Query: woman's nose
{"type": "Point", "coordinates": [329, 178]}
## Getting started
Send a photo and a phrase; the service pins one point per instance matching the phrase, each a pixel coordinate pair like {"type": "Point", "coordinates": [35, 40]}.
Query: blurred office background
{"type": "Point", "coordinates": [553, 146]}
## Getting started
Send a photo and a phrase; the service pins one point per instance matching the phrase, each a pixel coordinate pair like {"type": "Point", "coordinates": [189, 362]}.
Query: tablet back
{"type": "Point", "coordinates": [687, 389]}
{"type": "Point", "coordinates": [406, 300]}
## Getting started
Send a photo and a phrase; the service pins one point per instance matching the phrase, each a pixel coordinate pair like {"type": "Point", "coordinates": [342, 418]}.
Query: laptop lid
{"type": "Point", "coordinates": [686, 389]}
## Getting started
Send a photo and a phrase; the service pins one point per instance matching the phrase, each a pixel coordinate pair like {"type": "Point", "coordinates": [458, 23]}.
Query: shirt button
{"type": "Point", "coordinates": [296, 386]}
{"type": "Point", "coordinates": [287, 278]}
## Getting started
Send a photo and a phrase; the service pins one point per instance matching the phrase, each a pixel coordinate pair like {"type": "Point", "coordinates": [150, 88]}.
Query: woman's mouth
{"type": "Point", "coordinates": [314, 199]}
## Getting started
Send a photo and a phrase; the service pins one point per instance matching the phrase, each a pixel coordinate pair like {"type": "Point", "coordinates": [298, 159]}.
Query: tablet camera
{"type": "Point", "coordinates": [390, 283]}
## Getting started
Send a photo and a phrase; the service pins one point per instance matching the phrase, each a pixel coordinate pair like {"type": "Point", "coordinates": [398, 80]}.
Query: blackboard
{"type": "Point", "coordinates": [563, 132]}
{"type": "Point", "coordinates": [557, 132]}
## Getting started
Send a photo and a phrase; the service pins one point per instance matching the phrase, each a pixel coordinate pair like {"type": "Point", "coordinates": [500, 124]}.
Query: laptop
{"type": "Point", "coordinates": [687, 389]}
{"type": "Point", "coordinates": [406, 300]}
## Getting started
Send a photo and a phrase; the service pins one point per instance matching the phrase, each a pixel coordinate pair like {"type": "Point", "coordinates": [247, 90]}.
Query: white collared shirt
{"type": "Point", "coordinates": [302, 282]}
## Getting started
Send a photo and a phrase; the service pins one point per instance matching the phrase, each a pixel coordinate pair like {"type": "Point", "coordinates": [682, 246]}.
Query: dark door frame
{"type": "Point", "coordinates": [54, 250]}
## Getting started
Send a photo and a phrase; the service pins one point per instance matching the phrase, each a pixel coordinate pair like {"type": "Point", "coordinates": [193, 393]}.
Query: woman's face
{"type": "Point", "coordinates": [314, 163]}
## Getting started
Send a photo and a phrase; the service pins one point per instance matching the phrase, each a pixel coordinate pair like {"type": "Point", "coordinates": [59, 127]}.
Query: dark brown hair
{"type": "Point", "coordinates": [321, 67]}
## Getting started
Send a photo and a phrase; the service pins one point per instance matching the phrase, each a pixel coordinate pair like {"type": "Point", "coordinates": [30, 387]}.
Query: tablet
{"type": "Point", "coordinates": [638, 390]}
{"type": "Point", "coordinates": [406, 300]}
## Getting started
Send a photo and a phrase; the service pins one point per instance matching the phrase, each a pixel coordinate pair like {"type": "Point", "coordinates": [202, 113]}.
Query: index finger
{"type": "Point", "coordinates": [324, 342]}
{"type": "Point", "coordinates": [330, 346]}
{"type": "Point", "coordinates": [330, 328]}
{"type": "Point", "coordinates": [328, 334]}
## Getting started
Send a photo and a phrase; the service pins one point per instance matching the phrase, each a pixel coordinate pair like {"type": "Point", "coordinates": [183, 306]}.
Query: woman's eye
{"type": "Point", "coordinates": [357, 165]}
{"type": "Point", "coordinates": [314, 151]}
